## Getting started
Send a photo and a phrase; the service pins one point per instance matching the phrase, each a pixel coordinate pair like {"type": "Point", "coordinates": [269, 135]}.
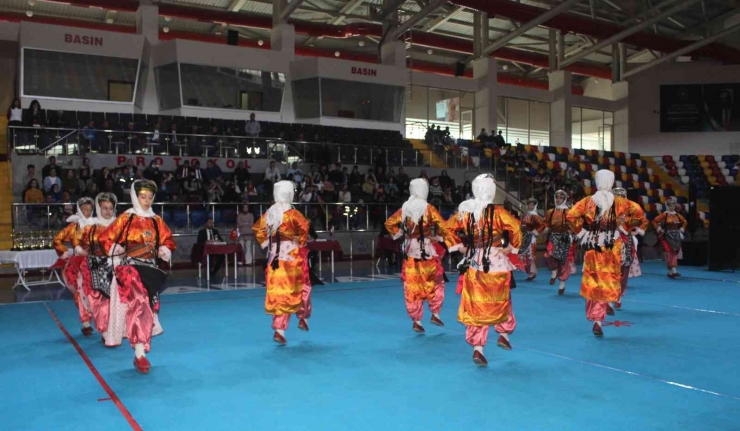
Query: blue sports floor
{"type": "Point", "coordinates": [675, 364]}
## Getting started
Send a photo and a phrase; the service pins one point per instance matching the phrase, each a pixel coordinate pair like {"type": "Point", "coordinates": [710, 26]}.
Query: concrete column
{"type": "Point", "coordinates": [393, 54]}
{"type": "Point", "coordinates": [147, 22]}
{"type": "Point", "coordinates": [621, 116]}
{"type": "Point", "coordinates": [282, 38]}
{"type": "Point", "coordinates": [561, 127]}
{"type": "Point", "coordinates": [485, 72]}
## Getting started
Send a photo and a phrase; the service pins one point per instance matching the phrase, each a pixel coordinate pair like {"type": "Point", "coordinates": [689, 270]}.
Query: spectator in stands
{"type": "Point", "coordinates": [483, 136]}
{"type": "Point", "coordinates": [403, 179]}
{"type": "Point", "coordinates": [436, 193]}
{"type": "Point", "coordinates": [296, 173]}
{"type": "Point", "coordinates": [344, 195]}
{"type": "Point", "coordinates": [102, 139]}
{"type": "Point", "coordinates": [328, 189]}
{"type": "Point", "coordinates": [47, 169]}
{"type": "Point", "coordinates": [163, 194]}
{"type": "Point", "coordinates": [182, 172]}
{"type": "Point", "coordinates": [33, 194]}
{"type": "Point", "coordinates": [194, 142]}
{"type": "Point", "coordinates": [423, 174]}
{"type": "Point", "coordinates": [391, 186]}
{"type": "Point", "coordinates": [447, 198]}
{"type": "Point", "coordinates": [52, 180]}
{"type": "Point", "coordinates": [211, 235]}
{"type": "Point", "coordinates": [85, 179]}
{"type": "Point", "coordinates": [467, 191]}
{"type": "Point", "coordinates": [380, 162]}
{"type": "Point", "coordinates": [133, 139]}
{"type": "Point", "coordinates": [55, 193]}
{"type": "Point", "coordinates": [199, 174]}
{"type": "Point", "coordinates": [213, 171]}
{"type": "Point", "coordinates": [307, 195]}
{"type": "Point", "coordinates": [445, 180]}
{"type": "Point", "coordinates": [30, 174]}
{"type": "Point", "coordinates": [499, 140]}
{"type": "Point", "coordinates": [335, 176]}
{"type": "Point", "coordinates": [231, 195]}
{"type": "Point", "coordinates": [447, 137]}
{"type": "Point", "coordinates": [194, 188]}
{"type": "Point", "coordinates": [251, 190]}
{"type": "Point", "coordinates": [91, 191]}
{"type": "Point", "coordinates": [34, 117]}
{"type": "Point", "coordinates": [88, 135]}
{"type": "Point", "coordinates": [152, 172]}
{"type": "Point", "coordinates": [272, 176]}
{"type": "Point", "coordinates": [157, 130]}
{"type": "Point", "coordinates": [15, 113]}
{"type": "Point", "coordinates": [85, 165]}
{"type": "Point", "coordinates": [213, 141]}
{"type": "Point", "coordinates": [241, 174]}
{"type": "Point", "coordinates": [355, 178]}
{"type": "Point", "coordinates": [215, 191]}
{"type": "Point", "coordinates": [252, 128]}
{"type": "Point", "coordinates": [174, 136]}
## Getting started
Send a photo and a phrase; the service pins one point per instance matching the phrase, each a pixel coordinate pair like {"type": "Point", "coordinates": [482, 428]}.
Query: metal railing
{"type": "Point", "coordinates": [187, 218]}
{"type": "Point", "coordinates": [78, 141]}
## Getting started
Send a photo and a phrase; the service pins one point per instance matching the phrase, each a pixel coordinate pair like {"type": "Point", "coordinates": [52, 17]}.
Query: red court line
{"type": "Point", "coordinates": [124, 411]}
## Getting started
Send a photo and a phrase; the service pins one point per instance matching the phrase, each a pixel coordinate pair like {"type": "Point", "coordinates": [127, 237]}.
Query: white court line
{"type": "Point", "coordinates": [725, 313]}
{"type": "Point", "coordinates": [632, 373]}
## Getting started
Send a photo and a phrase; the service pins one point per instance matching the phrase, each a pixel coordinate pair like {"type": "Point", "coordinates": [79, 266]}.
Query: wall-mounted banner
{"type": "Point", "coordinates": [700, 108]}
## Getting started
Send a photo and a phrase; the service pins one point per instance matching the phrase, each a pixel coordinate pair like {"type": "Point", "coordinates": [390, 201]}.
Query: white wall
{"type": "Point", "coordinates": [644, 111]}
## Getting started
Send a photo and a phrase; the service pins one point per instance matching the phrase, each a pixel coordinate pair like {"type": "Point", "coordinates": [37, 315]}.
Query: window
{"type": "Point", "coordinates": [359, 100]}
{"type": "Point", "coordinates": [591, 129]}
{"type": "Point", "coordinates": [70, 75]}
{"type": "Point", "coordinates": [167, 78]}
{"type": "Point", "coordinates": [229, 88]}
{"type": "Point", "coordinates": [451, 109]}
{"type": "Point", "coordinates": [306, 98]}
{"type": "Point", "coordinates": [523, 121]}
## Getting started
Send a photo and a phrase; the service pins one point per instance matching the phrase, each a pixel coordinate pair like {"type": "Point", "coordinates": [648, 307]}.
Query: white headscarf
{"type": "Point", "coordinates": [603, 198]}
{"type": "Point", "coordinates": [283, 194]}
{"type": "Point", "coordinates": [137, 209]}
{"type": "Point", "coordinates": [416, 206]}
{"type": "Point", "coordinates": [484, 190]}
{"type": "Point", "coordinates": [534, 210]}
{"type": "Point", "coordinates": [99, 218]}
{"type": "Point", "coordinates": [79, 217]}
{"type": "Point", "coordinates": [667, 208]}
{"type": "Point", "coordinates": [564, 205]}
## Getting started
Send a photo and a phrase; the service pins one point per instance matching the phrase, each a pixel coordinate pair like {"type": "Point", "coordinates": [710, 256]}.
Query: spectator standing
{"type": "Point", "coordinates": [244, 223]}
{"type": "Point", "coordinates": [252, 128]}
{"type": "Point", "coordinates": [30, 174]}
{"type": "Point", "coordinates": [499, 140]}
{"type": "Point", "coordinates": [52, 165]}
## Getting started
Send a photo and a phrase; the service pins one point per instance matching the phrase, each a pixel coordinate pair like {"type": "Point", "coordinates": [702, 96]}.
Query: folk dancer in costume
{"type": "Point", "coordinates": [532, 226]}
{"type": "Point", "coordinates": [73, 234]}
{"type": "Point", "coordinates": [595, 220]}
{"type": "Point", "coordinates": [137, 241]}
{"type": "Point", "coordinates": [561, 250]}
{"type": "Point", "coordinates": [283, 231]}
{"type": "Point", "coordinates": [486, 266]}
{"type": "Point", "coordinates": [670, 227]}
{"type": "Point", "coordinates": [632, 224]}
{"type": "Point", "coordinates": [422, 272]}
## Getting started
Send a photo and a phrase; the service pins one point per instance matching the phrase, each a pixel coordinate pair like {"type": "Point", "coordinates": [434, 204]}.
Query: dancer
{"type": "Point", "coordinates": [73, 235]}
{"type": "Point", "coordinates": [560, 254]}
{"type": "Point", "coordinates": [422, 272]}
{"type": "Point", "coordinates": [632, 224]}
{"type": "Point", "coordinates": [531, 227]}
{"type": "Point", "coordinates": [283, 231]}
{"type": "Point", "coordinates": [595, 220]}
{"type": "Point", "coordinates": [485, 268]}
{"type": "Point", "coordinates": [137, 241]}
{"type": "Point", "coordinates": [670, 227]}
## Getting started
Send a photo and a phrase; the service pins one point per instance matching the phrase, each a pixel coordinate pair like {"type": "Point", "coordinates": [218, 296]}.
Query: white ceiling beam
{"type": "Point", "coordinates": [347, 9]}
{"type": "Point", "coordinates": [237, 5]}
{"type": "Point", "coordinates": [437, 22]}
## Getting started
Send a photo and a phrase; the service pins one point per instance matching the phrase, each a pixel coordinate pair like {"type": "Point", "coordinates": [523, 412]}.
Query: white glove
{"type": "Point", "coordinates": [80, 251]}
{"type": "Point", "coordinates": [67, 254]}
{"type": "Point", "coordinates": [681, 234]}
{"type": "Point", "coordinates": [164, 253]}
{"type": "Point", "coordinates": [581, 234]}
{"type": "Point", "coordinates": [534, 239]}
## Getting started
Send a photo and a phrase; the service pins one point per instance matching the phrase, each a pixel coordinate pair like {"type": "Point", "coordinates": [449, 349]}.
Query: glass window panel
{"type": "Point", "coordinates": [306, 98]}
{"type": "Point", "coordinates": [576, 127]}
{"type": "Point", "coordinates": [417, 110]}
{"type": "Point", "coordinates": [518, 121]}
{"type": "Point", "coordinates": [360, 100]}
{"type": "Point", "coordinates": [467, 115]}
{"type": "Point", "coordinates": [501, 114]}
{"type": "Point", "coordinates": [444, 110]}
{"type": "Point", "coordinates": [74, 76]}
{"type": "Point", "coordinates": [227, 88]}
{"type": "Point", "coordinates": [592, 127]}
{"type": "Point", "coordinates": [167, 78]}
{"type": "Point", "coordinates": [539, 123]}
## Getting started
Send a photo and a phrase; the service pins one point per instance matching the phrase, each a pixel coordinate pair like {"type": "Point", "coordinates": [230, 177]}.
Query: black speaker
{"type": "Point", "coordinates": [232, 37]}
{"type": "Point", "coordinates": [459, 68]}
{"type": "Point", "coordinates": [724, 228]}
{"type": "Point", "coordinates": [692, 207]}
